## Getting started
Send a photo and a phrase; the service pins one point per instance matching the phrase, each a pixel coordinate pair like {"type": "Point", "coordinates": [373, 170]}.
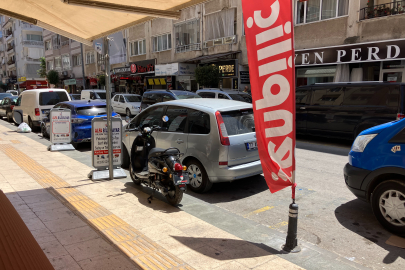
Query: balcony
{"type": "Point", "coordinates": [387, 9]}
{"type": "Point", "coordinates": [10, 49]}
{"type": "Point", "coordinates": [26, 58]}
{"type": "Point", "coordinates": [31, 27]}
{"type": "Point", "coordinates": [64, 43]}
{"type": "Point", "coordinates": [10, 64]}
{"type": "Point", "coordinates": [33, 43]}
{"type": "Point", "coordinates": [220, 41]}
{"type": "Point", "coordinates": [9, 35]}
{"type": "Point", "coordinates": [187, 48]}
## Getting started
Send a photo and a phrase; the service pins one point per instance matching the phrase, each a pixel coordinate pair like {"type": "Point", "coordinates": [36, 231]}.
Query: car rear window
{"type": "Point", "coordinates": [101, 95]}
{"type": "Point", "coordinates": [92, 110]}
{"type": "Point", "coordinates": [185, 95]}
{"type": "Point", "coordinates": [239, 122]}
{"type": "Point", "coordinates": [151, 98]}
{"type": "Point", "coordinates": [52, 98]}
{"type": "Point", "coordinates": [75, 97]}
{"type": "Point", "coordinates": [133, 98]}
{"type": "Point", "coordinates": [241, 97]}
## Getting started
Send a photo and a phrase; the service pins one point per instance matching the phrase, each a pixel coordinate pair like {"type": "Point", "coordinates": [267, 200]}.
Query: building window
{"type": "Point", "coordinates": [316, 10]}
{"type": "Point", "coordinates": [138, 47]}
{"type": "Point", "coordinates": [162, 43]}
{"type": "Point", "coordinates": [187, 35]}
{"type": "Point", "coordinates": [58, 62]}
{"type": "Point", "coordinates": [89, 58]}
{"type": "Point", "coordinates": [66, 61]}
{"type": "Point", "coordinates": [48, 45]}
{"type": "Point", "coordinates": [77, 60]}
{"type": "Point", "coordinates": [49, 65]}
{"type": "Point", "coordinates": [34, 37]}
{"type": "Point", "coordinates": [220, 24]}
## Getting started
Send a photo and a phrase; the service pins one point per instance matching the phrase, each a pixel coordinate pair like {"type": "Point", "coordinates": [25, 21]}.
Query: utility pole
{"type": "Point", "coordinates": [81, 51]}
{"type": "Point", "coordinates": [109, 111]}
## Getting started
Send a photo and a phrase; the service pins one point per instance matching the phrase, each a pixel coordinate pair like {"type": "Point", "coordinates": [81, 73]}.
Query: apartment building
{"type": "Point", "coordinates": [20, 59]}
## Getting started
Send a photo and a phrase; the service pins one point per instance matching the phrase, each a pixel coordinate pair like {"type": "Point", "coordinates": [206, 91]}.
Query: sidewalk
{"type": "Point", "coordinates": [81, 224]}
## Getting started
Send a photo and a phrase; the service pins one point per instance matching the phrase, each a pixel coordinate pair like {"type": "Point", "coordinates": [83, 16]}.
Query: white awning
{"type": "Point", "coordinates": [87, 20]}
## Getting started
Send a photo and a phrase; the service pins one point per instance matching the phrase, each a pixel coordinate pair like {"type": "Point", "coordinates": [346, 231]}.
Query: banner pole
{"type": "Point", "coordinates": [109, 111]}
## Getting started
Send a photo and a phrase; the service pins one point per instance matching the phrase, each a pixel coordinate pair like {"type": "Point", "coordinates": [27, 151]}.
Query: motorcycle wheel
{"type": "Point", "coordinates": [135, 179]}
{"type": "Point", "coordinates": [174, 196]}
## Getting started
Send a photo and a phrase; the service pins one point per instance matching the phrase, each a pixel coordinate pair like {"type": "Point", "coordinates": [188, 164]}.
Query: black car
{"type": "Point", "coordinates": [6, 107]}
{"type": "Point", "coordinates": [151, 97]}
{"type": "Point", "coordinates": [343, 110]}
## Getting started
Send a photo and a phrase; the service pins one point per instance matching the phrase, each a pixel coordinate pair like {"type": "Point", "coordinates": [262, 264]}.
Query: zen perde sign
{"type": "Point", "coordinates": [60, 131]}
{"type": "Point", "coordinates": [99, 142]}
{"type": "Point", "coordinates": [269, 40]}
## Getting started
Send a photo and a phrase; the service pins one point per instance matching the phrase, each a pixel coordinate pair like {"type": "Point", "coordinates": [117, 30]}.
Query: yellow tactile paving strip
{"type": "Point", "coordinates": [143, 251]}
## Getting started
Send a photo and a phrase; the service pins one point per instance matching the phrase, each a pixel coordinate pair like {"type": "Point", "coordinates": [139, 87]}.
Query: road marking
{"type": "Point", "coordinates": [278, 225]}
{"type": "Point", "coordinates": [259, 211]}
{"type": "Point", "coordinates": [140, 249]}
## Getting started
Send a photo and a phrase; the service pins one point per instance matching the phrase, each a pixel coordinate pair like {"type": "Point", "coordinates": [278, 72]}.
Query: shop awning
{"type": "Point", "coordinates": [213, 56]}
{"type": "Point", "coordinates": [87, 20]}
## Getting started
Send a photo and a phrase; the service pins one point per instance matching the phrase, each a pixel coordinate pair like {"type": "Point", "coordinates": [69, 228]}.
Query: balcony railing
{"type": "Point", "coordinates": [64, 43]}
{"type": "Point", "coordinates": [220, 41]}
{"type": "Point", "coordinates": [10, 48]}
{"type": "Point", "coordinates": [393, 8]}
{"type": "Point", "coordinates": [56, 46]}
{"type": "Point", "coordinates": [33, 43]}
{"type": "Point", "coordinates": [26, 58]}
{"type": "Point", "coordinates": [187, 48]}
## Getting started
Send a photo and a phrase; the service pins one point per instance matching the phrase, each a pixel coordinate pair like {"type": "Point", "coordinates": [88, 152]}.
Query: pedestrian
{"type": "Point", "coordinates": [246, 90]}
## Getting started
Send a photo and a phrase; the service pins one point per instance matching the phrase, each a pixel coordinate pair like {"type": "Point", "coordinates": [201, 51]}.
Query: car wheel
{"type": "Point", "coordinates": [199, 181]}
{"type": "Point", "coordinates": [135, 179]}
{"type": "Point", "coordinates": [129, 112]}
{"type": "Point", "coordinates": [388, 204]}
{"type": "Point", "coordinates": [30, 123]}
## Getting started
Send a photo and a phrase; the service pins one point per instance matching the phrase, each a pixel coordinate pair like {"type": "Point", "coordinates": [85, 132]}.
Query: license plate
{"type": "Point", "coordinates": [181, 178]}
{"type": "Point", "coordinates": [45, 111]}
{"type": "Point", "coordinates": [251, 146]}
{"type": "Point", "coordinates": [139, 148]}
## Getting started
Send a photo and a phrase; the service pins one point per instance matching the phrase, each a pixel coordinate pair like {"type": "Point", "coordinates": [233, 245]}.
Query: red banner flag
{"type": "Point", "coordinates": [269, 40]}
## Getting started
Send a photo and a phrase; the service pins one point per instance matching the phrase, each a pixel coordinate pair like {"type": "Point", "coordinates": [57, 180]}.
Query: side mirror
{"type": "Point", "coordinates": [165, 118]}
{"type": "Point", "coordinates": [127, 119]}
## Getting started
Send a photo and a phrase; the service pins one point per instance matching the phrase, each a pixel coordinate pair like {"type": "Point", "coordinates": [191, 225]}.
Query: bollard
{"type": "Point", "coordinates": [291, 242]}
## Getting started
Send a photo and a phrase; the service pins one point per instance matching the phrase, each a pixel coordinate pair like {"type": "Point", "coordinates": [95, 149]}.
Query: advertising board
{"type": "Point", "coordinates": [60, 129]}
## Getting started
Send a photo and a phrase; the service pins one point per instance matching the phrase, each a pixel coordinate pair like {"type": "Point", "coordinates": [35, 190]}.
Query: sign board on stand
{"type": "Point", "coordinates": [60, 130]}
{"type": "Point", "coordinates": [99, 148]}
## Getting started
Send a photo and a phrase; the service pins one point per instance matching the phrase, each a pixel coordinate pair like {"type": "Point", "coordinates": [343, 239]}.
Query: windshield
{"type": "Point", "coordinates": [75, 96]}
{"type": "Point", "coordinates": [3, 95]}
{"type": "Point", "coordinates": [241, 97]}
{"type": "Point", "coordinates": [92, 110]}
{"type": "Point", "coordinates": [133, 98]}
{"type": "Point", "coordinates": [101, 95]}
{"type": "Point", "coordinates": [239, 122]}
{"type": "Point", "coordinates": [52, 98]}
{"type": "Point", "coordinates": [185, 95]}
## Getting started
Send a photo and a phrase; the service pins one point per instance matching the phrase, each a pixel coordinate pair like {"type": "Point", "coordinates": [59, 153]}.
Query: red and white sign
{"type": "Point", "coordinates": [133, 68]}
{"type": "Point", "coordinates": [99, 142]}
{"type": "Point", "coordinates": [269, 40]}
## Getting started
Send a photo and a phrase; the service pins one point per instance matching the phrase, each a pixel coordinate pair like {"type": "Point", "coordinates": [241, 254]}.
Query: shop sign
{"type": "Point", "coordinates": [121, 70]}
{"type": "Point", "coordinates": [151, 82]}
{"type": "Point", "coordinates": [226, 68]}
{"type": "Point", "coordinates": [22, 79]}
{"type": "Point", "coordinates": [12, 80]}
{"type": "Point", "coordinates": [147, 66]}
{"type": "Point", "coordinates": [353, 53]}
{"type": "Point", "coordinates": [235, 83]}
{"type": "Point", "coordinates": [244, 77]}
{"type": "Point", "coordinates": [175, 69]}
{"type": "Point", "coordinates": [99, 141]}
{"type": "Point", "coordinates": [69, 82]}
{"type": "Point", "coordinates": [60, 125]}
{"type": "Point", "coordinates": [93, 81]}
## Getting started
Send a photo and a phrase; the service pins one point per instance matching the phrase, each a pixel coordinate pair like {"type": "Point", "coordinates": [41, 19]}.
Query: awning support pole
{"type": "Point", "coordinates": [109, 109]}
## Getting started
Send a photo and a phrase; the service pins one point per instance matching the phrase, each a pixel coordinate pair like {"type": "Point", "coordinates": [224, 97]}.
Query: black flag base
{"type": "Point", "coordinates": [291, 245]}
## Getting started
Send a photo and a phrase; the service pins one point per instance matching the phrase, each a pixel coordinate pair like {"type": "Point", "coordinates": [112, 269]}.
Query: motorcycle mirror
{"type": "Point", "coordinates": [127, 119]}
{"type": "Point", "coordinates": [165, 118]}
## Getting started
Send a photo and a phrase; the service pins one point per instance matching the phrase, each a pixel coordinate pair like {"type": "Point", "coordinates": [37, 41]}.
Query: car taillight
{"type": "Point", "coordinates": [223, 163]}
{"type": "Point", "coordinates": [400, 116]}
{"type": "Point", "coordinates": [223, 134]}
{"type": "Point", "coordinates": [37, 112]}
{"type": "Point", "coordinates": [11, 106]}
{"type": "Point", "coordinates": [178, 167]}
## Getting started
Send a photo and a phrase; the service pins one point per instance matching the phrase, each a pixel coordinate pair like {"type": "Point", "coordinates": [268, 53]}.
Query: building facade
{"type": "Point", "coordinates": [22, 47]}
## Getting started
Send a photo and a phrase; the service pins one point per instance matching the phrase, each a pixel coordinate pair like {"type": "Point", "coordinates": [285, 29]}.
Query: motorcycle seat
{"type": "Point", "coordinates": [155, 152]}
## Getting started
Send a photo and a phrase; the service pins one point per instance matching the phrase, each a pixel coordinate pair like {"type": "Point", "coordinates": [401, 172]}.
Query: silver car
{"type": "Point", "coordinates": [225, 94]}
{"type": "Point", "coordinates": [129, 104]}
{"type": "Point", "coordinates": [217, 138]}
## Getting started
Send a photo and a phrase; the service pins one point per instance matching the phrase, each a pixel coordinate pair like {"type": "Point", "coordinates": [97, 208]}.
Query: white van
{"type": "Point", "coordinates": [93, 94]}
{"type": "Point", "coordinates": [13, 92]}
{"type": "Point", "coordinates": [33, 105]}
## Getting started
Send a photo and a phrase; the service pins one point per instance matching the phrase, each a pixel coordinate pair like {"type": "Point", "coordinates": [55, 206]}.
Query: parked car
{"type": "Point", "coordinates": [225, 94]}
{"type": "Point", "coordinates": [343, 110]}
{"type": "Point", "coordinates": [83, 111]}
{"type": "Point", "coordinates": [33, 105]}
{"type": "Point", "coordinates": [93, 94]}
{"type": "Point", "coordinates": [6, 107]}
{"type": "Point", "coordinates": [129, 104]}
{"type": "Point", "coordinates": [376, 173]}
{"type": "Point", "coordinates": [3, 95]}
{"type": "Point", "coordinates": [13, 92]}
{"type": "Point", "coordinates": [75, 96]}
{"type": "Point", "coordinates": [217, 138]}
{"type": "Point", "coordinates": [151, 97]}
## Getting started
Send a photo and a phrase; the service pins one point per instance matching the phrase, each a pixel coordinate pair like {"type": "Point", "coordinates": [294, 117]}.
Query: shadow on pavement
{"type": "Point", "coordinates": [358, 217]}
{"type": "Point", "coordinates": [233, 249]}
{"type": "Point", "coordinates": [325, 145]}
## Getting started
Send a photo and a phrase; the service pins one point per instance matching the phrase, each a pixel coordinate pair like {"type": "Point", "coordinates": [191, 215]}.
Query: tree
{"type": "Point", "coordinates": [42, 71]}
{"type": "Point", "coordinates": [101, 79]}
{"type": "Point", "coordinates": [207, 76]}
{"type": "Point", "coordinates": [53, 77]}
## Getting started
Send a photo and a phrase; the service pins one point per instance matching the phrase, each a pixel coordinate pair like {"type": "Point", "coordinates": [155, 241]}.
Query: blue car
{"type": "Point", "coordinates": [376, 172]}
{"type": "Point", "coordinates": [83, 111]}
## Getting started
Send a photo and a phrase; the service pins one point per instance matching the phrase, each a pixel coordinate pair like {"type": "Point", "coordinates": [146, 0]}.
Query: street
{"type": "Point", "coordinates": [330, 216]}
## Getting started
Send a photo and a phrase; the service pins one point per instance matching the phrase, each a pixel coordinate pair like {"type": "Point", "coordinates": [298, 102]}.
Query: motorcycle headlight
{"type": "Point", "coordinates": [361, 142]}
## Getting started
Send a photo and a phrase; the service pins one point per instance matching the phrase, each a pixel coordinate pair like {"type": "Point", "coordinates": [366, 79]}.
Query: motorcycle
{"type": "Point", "coordinates": [157, 168]}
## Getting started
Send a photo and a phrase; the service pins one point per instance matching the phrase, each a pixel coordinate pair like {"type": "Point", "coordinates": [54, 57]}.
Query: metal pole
{"type": "Point", "coordinates": [109, 110]}
{"type": "Point", "coordinates": [81, 51]}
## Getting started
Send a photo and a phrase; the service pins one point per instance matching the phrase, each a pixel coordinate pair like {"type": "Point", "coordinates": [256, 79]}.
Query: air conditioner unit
{"type": "Point", "coordinates": [64, 73]}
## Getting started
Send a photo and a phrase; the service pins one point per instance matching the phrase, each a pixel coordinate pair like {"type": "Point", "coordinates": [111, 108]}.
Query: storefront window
{"type": "Point", "coordinates": [316, 10]}
{"type": "Point", "coordinates": [393, 64]}
{"type": "Point", "coordinates": [307, 76]}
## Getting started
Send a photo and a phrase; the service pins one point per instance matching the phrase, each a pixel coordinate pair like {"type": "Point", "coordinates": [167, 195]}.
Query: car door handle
{"type": "Point", "coordinates": [302, 108]}
{"type": "Point", "coordinates": [179, 141]}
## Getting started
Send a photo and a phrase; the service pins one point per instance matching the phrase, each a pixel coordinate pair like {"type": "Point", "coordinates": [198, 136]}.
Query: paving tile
{"type": "Point", "coordinates": [204, 258]}
{"type": "Point", "coordinates": [76, 235]}
{"type": "Point", "coordinates": [278, 263]}
{"type": "Point", "coordinates": [233, 266]}
{"type": "Point", "coordinates": [116, 203]}
{"type": "Point", "coordinates": [64, 224]}
{"type": "Point", "coordinates": [54, 214]}
{"type": "Point", "coordinates": [43, 236]}
{"type": "Point", "coordinates": [248, 254]}
{"type": "Point", "coordinates": [27, 214]}
{"type": "Point", "coordinates": [65, 262]}
{"type": "Point", "coordinates": [113, 260]}
{"type": "Point", "coordinates": [179, 247]}
{"type": "Point", "coordinates": [53, 249]}
{"type": "Point", "coordinates": [176, 218]}
{"type": "Point", "coordinates": [161, 231]}
{"type": "Point", "coordinates": [89, 249]}
{"type": "Point", "coordinates": [34, 224]}
{"type": "Point", "coordinates": [48, 205]}
{"type": "Point", "coordinates": [38, 198]}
